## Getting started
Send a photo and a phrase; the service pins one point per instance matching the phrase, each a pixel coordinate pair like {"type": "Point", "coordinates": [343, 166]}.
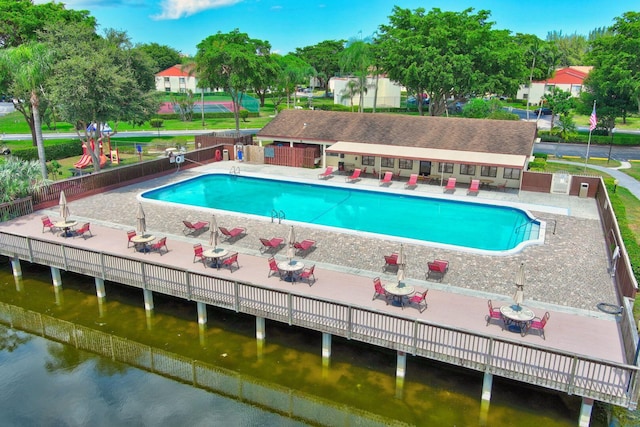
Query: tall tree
{"type": "Point", "coordinates": [292, 71]}
{"type": "Point", "coordinates": [163, 55]}
{"type": "Point", "coordinates": [571, 48]}
{"type": "Point", "coordinates": [323, 57]}
{"type": "Point", "coordinates": [559, 102]}
{"type": "Point", "coordinates": [356, 60]}
{"type": "Point", "coordinates": [231, 61]}
{"type": "Point", "coordinates": [540, 58]}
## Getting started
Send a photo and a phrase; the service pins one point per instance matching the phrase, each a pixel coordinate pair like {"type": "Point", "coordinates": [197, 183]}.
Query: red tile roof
{"type": "Point", "coordinates": [177, 70]}
{"type": "Point", "coordinates": [569, 75]}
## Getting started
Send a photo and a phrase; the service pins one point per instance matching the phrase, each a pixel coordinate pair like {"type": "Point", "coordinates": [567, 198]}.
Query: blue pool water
{"type": "Point", "coordinates": [448, 222]}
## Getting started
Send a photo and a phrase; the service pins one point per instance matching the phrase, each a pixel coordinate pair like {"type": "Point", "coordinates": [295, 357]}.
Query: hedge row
{"type": "Point", "coordinates": [52, 152]}
{"type": "Point", "coordinates": [626, 139]}
{"type": "Point", "coordinates": [198, 116]}
{"type": "Point", "coordinates": [630, 242]}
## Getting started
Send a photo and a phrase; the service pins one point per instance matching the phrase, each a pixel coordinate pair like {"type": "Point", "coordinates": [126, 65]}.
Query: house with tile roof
{"type": "Point", "coordinates": [178, 79]}
{"type": "Point", "coordinates": [495, 151]}
{"type": "Point", "coordinates": [569, 79]}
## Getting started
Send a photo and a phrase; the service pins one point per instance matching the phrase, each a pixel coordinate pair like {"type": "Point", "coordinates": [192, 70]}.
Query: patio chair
{"type": "Point", "coordinates": [390, 261]}
{"type": "Point", "coordinates": [230, 260]}
{"type": "Point", "coordinates": [130, 235]}
{"type": "Point", "coordinates": [413, 181]}
{"type": "Point", "coordinates": [273, 268]}
{"type": "Point", "coordinates": [451, 185]}
{"type": "Point", "coordinates": [233, 233]}
{"type": "Point", "coordinates": [328, 173]}
{"type": "Point", "coordinates": [437, 269]}
{"type": "Point", "coordinates": [386, 180]}
{"type": "Point", "coordinates": [420, 300]}
{"type": "Point", "coordinates": [538, 324]}
{"type": "Point", "coordinates": [355, 176]}
{"type": "Point", "coordinates": [474, 187]}
{"type": "Point", "coordinates": [195, 228]}
{"type": "Point", "coordinates": [83, 231]}
{"type": "Point", "coordinates": [157, 247]}
{"type": "Point", "coordinates": [198, 254]}
{"type": "Point", "coordinates": [307, 274]}
{"type": "Point", "coordinates": [494, 314]}
{"type": "Point", "coordinates": [304, 246]}
{"type": "Point", "coordinates": [46, 223]}
{"type": "Point", "coordinates": [379, 290]}
{"type": "Point", "coordinates": [268, 245]}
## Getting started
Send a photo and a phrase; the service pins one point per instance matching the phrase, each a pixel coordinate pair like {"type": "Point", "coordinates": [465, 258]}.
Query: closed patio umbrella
{"type": "Point", "coordinates": [64, 208]}
{"type": "Point", "coordinates": [213, 239]}
{"type": "Point", "coordinates": [518, 297]}
{"type": "Point", "coordinates": [141, 225]}
{"type": "Point", "coordinates": [291, 251]}
{"type": "Point", "coordinates": [401, 264]}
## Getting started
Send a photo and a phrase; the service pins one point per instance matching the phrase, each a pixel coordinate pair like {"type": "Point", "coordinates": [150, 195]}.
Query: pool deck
{"type": "Point", "coordinates": [566, 276]}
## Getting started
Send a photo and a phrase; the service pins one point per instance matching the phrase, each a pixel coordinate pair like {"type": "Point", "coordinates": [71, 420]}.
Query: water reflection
{"type": "Point", "coordinates": [359, 376]}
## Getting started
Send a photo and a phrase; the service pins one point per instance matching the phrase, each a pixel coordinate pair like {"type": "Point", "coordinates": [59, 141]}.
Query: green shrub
{"type": "Point", "coordinates": [544, 156]}
{"type": "Point", "coordinates": [52, 152]}
{"type": "Point", "coordinates": [538, 164]}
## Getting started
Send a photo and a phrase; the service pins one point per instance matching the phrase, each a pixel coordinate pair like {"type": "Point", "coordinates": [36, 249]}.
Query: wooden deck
{"type": "Point", "coordinates": [582, 355]}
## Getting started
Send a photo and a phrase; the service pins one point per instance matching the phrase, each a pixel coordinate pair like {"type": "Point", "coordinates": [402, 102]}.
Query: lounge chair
{"type": "Point", "coordinates": [83, 231]}
{"type": "Point", "coordinates": [46, 223]}
{"type": "Point", "coordinates": [233, 233]}
{"type": "Point", "coordinates": [355, 176]}
{"type": "Point", "coordinates": [494, 314]}
{"type": "Point", "coordinates": [198, 254]}
{"type": "Point", "coordinates": [157, 247]}
{"type": "Point", "coordinates": [307, 274]}
{"type": "Point", "coordinates": [386, 180]}
{"type": "Point", "coordinates": [327, 173]}
{"type": "Point", "coordinates": [230, 260]}
{"type": "Point", "coordinates": [437, 269]}
{"type": "Point", "coordinates": [420, 300]}
{"type": "Point", "coordinates": [451, 185]}
{"type": "Point", "coordinates": [268, 245]}
{"type": "Point", "coordinates": [273, 268]}
{"type": "Point", "coordinates": [194, 228]}
{"type": "Point", "coordinates": [538, 324]}
{"type": "Point", "coordinates": [379, 290]}
{"type": "Point", "coordinates": [474, 188]}
{"type": "Point", "coordinates": [304, 246]}
{"type": "Point", "coordinates": [413, 181]}
{"type": "Point", "coordinates": [390, 261]}
{"type": "Point", "coordinates": [130, 235]}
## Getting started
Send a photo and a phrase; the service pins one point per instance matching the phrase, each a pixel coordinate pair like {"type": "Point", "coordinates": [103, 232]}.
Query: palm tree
{"type": "Point", "coordinates": [29, 66]}
{"type": "Point", "coordinates": [350, 90]}
{"type": "Point", "coordinates": [356, 59]}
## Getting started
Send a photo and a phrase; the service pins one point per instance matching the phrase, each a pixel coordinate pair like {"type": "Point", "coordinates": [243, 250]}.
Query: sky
{"type": "Point", "coordinates": [288, 24]}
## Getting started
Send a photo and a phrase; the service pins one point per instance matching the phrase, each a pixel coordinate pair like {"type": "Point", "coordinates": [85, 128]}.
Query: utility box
{"type": "Point", "coordinates": [225, 155]}
{"type": "Point", "coordinates": [584, 189]}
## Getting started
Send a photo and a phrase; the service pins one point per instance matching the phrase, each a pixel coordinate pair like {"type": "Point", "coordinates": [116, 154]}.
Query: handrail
{"type": "Point", "coordinates": [277, 214]}
{"type": "Point", "coordinates": [235, 170]}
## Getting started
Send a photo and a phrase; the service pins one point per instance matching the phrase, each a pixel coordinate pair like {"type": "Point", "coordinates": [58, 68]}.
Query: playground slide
{"type": "Point", "coordinates": [103, 160]}
{"type": "Point", "coordinates": [84, 161]}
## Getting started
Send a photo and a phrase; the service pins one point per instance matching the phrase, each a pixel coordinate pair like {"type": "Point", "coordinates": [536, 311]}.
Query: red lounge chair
{"type": "Point", "coordinates": [413, 181]}
{"type": "Point", "coordinates": [387, 178]}
{"type": "Point", "coordinates": [494, 314]}
{"type": "Point", "coordinates": [538, 324]}
{"type": "Point", "coordinates": [82, 231]}
{"type": "Point", "coordinates": [451, 185]}
{"type": "Point", "coordinates": [273, 268]}
{"type": "Point", "coordinates": [130, 235]}
{"type": "Point", "coordinates": [437, 269]}
{"type": "Point", "coordinates": [420, 300]}
{"type": "Point", "coordinates": [273, 244]}
{"type": "Point", "coordinates": [474, 188]}
{"type": "Point", "coordinates": [304, 246]}
{"type": "Point", "coordinates": [307, 274]}
{"type": "Point", "coordinates": [327, 173]}
{"type": "Point", "coordinates": [198, 254]}
{"type": "Point", "coordinates": [354, 177]}
{"type": "Point", "coordinates": [157, 247]}
{"type": "Point", "coordinates": [230, 260]}
{"type": "Point", "coordinates": [46, 223]}
{"type": "Point", "coordinates": [191, 228]}
{"type": "Point", "coordinates": [390, 261]}
{"type": "Point", "coordinates": [233, 233]}
{"type": "Point", "coordinates": [379, 290]}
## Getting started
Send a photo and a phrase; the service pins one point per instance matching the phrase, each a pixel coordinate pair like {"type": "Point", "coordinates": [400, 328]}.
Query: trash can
{"type": "Point", "coordinates": [225, 155]}
{"type": "Point", "coordinates": [584, 190]}
{"type": "Point", "coordinates": [239, 155]}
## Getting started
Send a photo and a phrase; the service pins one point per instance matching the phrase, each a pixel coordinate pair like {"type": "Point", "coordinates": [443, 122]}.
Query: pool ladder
{"type": "Point", "coordinates": [277, 214]}
{"type": "Point", "coordinates": [235, 170]}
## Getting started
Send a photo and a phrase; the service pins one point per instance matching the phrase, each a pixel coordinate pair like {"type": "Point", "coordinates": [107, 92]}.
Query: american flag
{"type": "Point", "coordinates": [593, 120]}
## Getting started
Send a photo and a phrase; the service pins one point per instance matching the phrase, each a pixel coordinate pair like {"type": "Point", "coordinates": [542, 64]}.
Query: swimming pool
{"type": "Point", "coordinates": [427, 219]}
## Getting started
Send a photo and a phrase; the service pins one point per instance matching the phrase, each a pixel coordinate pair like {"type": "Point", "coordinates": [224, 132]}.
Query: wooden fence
{"type": "Point", "coordinates": [610, 382]}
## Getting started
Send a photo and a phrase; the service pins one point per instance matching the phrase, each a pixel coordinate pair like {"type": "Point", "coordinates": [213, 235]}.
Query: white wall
{"type": "Point", "coordinates": [388, 93]}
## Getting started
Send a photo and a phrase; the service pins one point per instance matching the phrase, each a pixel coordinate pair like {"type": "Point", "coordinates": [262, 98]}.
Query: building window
{"type": "Point", "coordinates": [386, 162]}
{"type": "Point", "coordinates": [549, 88]}
{"type": "Point", "coordinates": [405, 164]}
{"type": "Point", "coordinates": [445, 167]}
{"type": "Point", "coordinates": [467, 169]}
{"type": "Point", "coordinates": [511, 173]}
{"type": "Point", "coordinates": [166, 79]}
{"type": "Point", "coordinates": [491, 171]}
{"type": "Point", "coordinates": [182, 80]}
{"type": "Point", "coordinates": [368, 161]}
{"type": "Point", "coordinates": [167, 89]}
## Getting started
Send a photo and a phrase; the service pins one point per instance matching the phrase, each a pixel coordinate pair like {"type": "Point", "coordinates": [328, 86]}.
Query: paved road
{"type": "Point", "coordinates": [560, 149]}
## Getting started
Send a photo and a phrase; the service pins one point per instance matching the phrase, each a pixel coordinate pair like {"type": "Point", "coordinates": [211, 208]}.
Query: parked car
{"type": "Point", "coordinates": [413, 100]}
{"type": "Point", "coordinates": [544, 111]}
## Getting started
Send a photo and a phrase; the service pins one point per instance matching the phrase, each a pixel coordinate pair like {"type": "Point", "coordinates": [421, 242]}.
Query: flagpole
{"type": "Point", "coordinates": [592, 126]}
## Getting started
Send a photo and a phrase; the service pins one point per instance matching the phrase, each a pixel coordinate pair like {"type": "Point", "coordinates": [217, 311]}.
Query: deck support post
{"type": "Point", "coordinates": [326, 349]}
{"type": "Point", "coordinates": [202, 313]}
{"type": "Point", "coordinates": [585, 412]}
{"type": "Point", "coordinates": [401, 370]}
{"type": "Point", "coordinates": [100, 292]}
{"type": "Point", "coordinates": [487, 385]}
{"type": "Point", "coordinates": [16, 267]}
{"type": "Point", "coordinates": [148, 299]}
{"type": "Point", "coordinates": [55, 276]}
{"type": "Point", "coordinates": [260, 329]}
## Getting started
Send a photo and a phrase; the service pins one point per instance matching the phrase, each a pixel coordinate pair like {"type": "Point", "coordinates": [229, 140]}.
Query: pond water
{"type": "Point", "coordinates": [49, 383]}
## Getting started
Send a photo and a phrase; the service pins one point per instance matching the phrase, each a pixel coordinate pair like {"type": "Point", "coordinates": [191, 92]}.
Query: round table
{"type": "Point", "coordinates": [66, 227]}
{"type": "Point", "coordinates": [517, 317]}
{"type": "Point", "coordinates": [399, 291]}
{"type": "Point", "coordinates": [142, 241]}
{"type": "Point", "coordinates": [215, 254]}
{"type": "Point", "coordinates": [290, 267]}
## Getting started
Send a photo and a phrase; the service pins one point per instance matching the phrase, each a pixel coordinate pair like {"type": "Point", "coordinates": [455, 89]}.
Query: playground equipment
{"type": "Point", "coordinates": [86, 159]}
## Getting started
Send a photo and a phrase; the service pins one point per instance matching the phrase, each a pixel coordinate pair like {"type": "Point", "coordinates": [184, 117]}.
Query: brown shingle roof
{"type": "Point", "coordinates": [487, 136]}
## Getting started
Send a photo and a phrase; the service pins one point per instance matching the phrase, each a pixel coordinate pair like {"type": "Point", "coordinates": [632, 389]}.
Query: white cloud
{"type": "Point", "coordinates": [175, 9]}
